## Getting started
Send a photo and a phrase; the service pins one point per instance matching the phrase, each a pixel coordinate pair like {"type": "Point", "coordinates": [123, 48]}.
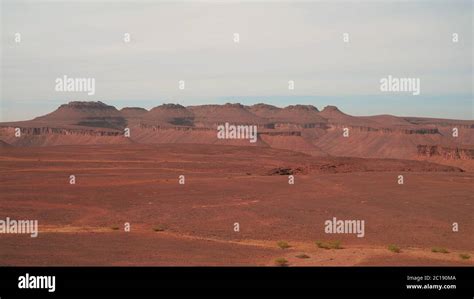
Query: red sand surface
{"type": "Point", "coordinates": [82, 224]}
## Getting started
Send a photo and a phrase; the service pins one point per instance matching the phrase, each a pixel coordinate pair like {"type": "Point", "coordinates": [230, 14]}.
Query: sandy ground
{"type": "Point", "coordinates": [82, 224]}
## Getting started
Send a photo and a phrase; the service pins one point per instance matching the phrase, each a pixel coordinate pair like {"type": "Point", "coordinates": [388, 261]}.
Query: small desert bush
{"type": "Point", "coordinates": [394, 248]}
{"type": "Point", "coordinates": [283, 245]}
{"type": "Point", "coordinates": [302, 256]}
{"type": "Point", "coordinates": [159, 228]}
{"type": "Point", "coordinates": [464, 256]}
{"type": "Point", "coordinates": [281, 262]}
{"type": "Point", "coordinates": [329, 245]}
{"type": "Point", "coordinates": [439, 250]}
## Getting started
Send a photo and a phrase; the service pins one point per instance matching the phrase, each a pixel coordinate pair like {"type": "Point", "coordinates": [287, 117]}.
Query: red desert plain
{"type": "Point", "coordinates": [136, 187]}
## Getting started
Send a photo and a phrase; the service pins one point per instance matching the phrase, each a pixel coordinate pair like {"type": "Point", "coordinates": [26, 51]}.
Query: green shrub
{"type": "Point", "coordinates": [283, 245]}
{"type": "Point", "coordinates": [439, 250]}
{"type": "Point", "coordinates": [159, 228]}
{"type": "Point", "coordinates": [394, 248]}
{"type": "Point", "coordinates": [281, 262]}
{"type": "Point", "coordinates": [329, 245]}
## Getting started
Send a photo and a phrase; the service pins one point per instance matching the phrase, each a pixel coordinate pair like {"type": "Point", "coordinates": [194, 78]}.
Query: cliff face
{"type": "Point", "coordinates": [445, 152]}
{"type": "Point", "coordinates": [388, 130]}
{"type": "Point", "coordinates": [46, 136]}
{"type": "Point", "coordinates": [6, 131]}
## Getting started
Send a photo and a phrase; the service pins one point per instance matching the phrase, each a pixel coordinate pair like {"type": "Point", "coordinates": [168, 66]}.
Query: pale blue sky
{"type": "Point", "coordinates": [279, 41]}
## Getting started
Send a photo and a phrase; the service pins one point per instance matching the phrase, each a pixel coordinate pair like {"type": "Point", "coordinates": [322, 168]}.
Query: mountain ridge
{"type": "Point", "coordinates": [300, 128]}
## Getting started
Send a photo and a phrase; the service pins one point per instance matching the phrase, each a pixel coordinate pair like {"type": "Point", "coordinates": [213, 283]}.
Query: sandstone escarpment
{"type": "Point", "coordinates": [299, 128]}
{"type": "Point", "coordinates": [445, 152]}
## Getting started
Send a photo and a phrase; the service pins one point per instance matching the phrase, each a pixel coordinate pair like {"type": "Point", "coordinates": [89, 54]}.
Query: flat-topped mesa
{"type": "Point", "coordinates": [77, 110]}
{"type": "Point", "coordinates": [306, 115]}
{"type": "Point", "coordinates": [228, 106]}
{"type": "Point", "coordinates": [263, 110]}
{"type": "Point", "coordinates": [170, 114]}
{"type": "Point", "coordinates": [220, 114]}
{"type": "Point", "coordinates": [171, 109]}
{"type": "Point", "coordinates": [87, 105]}
{"type": "Point", "coordinates": [302, 108]}
{"type": "Point", "coordinates": [234, 105]}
